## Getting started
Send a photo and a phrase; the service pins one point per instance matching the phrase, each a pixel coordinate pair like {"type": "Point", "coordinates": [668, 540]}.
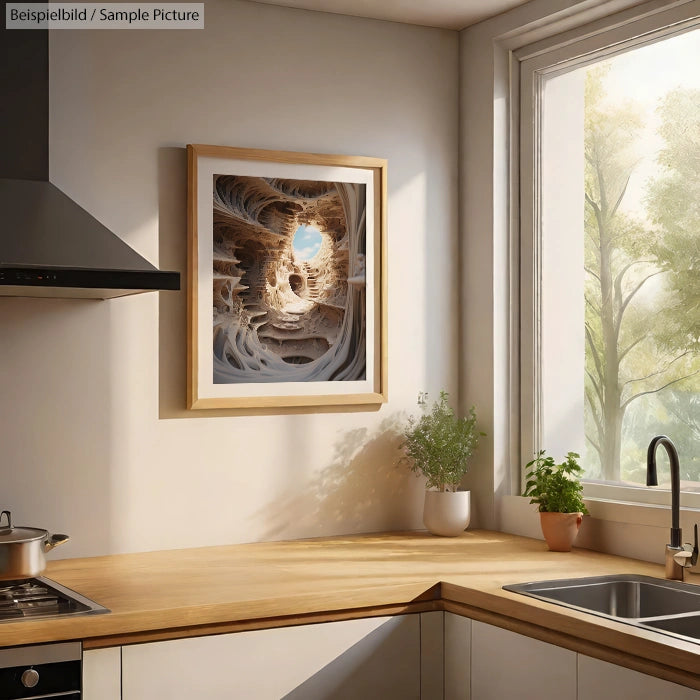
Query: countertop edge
{"type": "Point", "coordinates": [578, 632]}
{"type": "Point", "coordinates": [271, 585]}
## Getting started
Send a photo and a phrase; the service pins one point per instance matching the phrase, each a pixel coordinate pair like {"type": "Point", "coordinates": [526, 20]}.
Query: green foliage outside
{"type": "Point", "coordinates": [674, 204]}
{"type": "Point", "coordinates": [555, 488]}
{"type": "Point", "coordinates": [672, 411]}
{"type": "Point", "coordinates": [642, 289]}
{"type": "Point", "coordinates": [438, 445]}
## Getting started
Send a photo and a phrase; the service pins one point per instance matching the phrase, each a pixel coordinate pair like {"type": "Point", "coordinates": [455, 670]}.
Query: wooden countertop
{"type": "Point", "coordinates": [189, 592]}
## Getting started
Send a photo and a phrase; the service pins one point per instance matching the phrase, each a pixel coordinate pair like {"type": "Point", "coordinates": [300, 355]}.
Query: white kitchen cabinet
{"type": "Point", "coordinates": [458, 633]}
{"type": "Point", "coordinates": [432, 654]}
{"type": "Point", "coordinates": [600, 680]}
{"type": "Point", "coordinates": [509, 665]}
{"type": "Point", "coordinates": [102, 674]}
{"type": "Point", "coordinates": [366, 658]}
{"type": "Point", "coordinates": [427, 656]}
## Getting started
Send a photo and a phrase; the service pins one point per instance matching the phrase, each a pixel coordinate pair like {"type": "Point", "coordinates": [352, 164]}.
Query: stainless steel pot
{"type": "Point", "coordinates": [22, 549]}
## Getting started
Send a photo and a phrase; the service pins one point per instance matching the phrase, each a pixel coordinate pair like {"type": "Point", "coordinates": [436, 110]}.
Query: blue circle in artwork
{"type": "Point", "coordinates": [306, 242]}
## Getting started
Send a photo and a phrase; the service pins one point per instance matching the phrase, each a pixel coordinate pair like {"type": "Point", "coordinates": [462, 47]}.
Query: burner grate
{"type": "Point", "coordinates": [40, 597]}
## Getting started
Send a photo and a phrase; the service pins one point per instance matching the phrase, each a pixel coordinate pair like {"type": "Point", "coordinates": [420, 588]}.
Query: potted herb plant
{"type": "Point", "coordinates": [438, 445]}
{"type": "Point", "coordinates": [558, 493]}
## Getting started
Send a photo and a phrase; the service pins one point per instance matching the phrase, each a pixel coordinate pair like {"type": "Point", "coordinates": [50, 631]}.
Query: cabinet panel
{"type": "Point", "coordinates": [432, 639]}
{"type": "Point", "coordinates": [509, 665]}
{"type": "Point", "coordinates": [457, 657]}
{"type": "Point", "coordinates": [102, 674]}
{"type": "Point", "coordinates": [600, 680]}
{"type": "Point", "coordinates": [370, 658]}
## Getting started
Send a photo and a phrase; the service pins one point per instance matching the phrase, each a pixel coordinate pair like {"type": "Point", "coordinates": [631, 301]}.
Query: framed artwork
{"type": "Point", "coordinates": [286, 279]}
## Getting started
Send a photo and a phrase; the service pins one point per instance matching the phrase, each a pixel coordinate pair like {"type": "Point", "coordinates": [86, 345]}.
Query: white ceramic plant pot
{"type": "Point", "coordinates": [447, 513]}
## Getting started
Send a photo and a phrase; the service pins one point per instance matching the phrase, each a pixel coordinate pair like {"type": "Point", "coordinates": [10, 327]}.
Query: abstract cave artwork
{"type": "Point", "coordinates": [285, 293]}
{"type": "Point", "coordinates": [289, 301]}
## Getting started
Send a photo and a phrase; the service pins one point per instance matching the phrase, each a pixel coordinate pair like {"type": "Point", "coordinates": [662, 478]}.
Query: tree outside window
{"type": "Point", "coordinates": [642, 259]}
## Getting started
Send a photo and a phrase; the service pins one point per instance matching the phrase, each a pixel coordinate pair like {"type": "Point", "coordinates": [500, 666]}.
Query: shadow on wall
{"type": "Point", "coordinates": [172, 237]}
{"type": "Point", "coordinates": [383, 664]}
{"type": "Point", "coordinates": [361, 490]}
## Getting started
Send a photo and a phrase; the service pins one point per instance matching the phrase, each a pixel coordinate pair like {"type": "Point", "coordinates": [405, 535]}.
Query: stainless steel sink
{"type": "Point", "coordinates": [684, 626]}
{"type": "Point", "coordinates": [670, 607]}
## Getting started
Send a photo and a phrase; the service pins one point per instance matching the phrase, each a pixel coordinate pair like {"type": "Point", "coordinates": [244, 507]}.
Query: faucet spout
{"type": "Point", "coordinates": [652, 480]}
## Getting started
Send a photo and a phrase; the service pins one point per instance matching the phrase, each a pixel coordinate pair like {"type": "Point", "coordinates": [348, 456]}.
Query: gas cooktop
{"type": "Point", "coordinates": [41, 597]}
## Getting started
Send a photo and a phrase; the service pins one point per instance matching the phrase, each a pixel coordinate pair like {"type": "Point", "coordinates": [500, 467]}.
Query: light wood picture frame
{"type": "Point", "coordinates": [287, 279]}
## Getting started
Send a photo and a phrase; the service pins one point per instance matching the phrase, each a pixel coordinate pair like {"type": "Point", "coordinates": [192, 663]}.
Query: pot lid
{"type": "Point", "coordinates": [12, 535]}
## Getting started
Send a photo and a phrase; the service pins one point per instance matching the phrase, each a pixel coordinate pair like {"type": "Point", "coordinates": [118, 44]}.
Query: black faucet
{"type": "Point", "coordinates": [677, 557]}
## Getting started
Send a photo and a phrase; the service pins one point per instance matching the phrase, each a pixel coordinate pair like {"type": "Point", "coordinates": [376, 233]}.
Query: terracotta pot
{"type": "Point", "coordinates": [560, 529]}
{"type": "Point", "coordinates": [446, 513]}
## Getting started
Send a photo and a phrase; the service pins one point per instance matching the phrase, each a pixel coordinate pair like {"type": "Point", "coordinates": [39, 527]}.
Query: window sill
{"type": "Point", "coordinates": [650, 514]}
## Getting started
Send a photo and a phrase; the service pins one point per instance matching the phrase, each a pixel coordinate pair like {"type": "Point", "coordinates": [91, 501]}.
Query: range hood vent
{"type": "Point", "coordinates": [49, 245]}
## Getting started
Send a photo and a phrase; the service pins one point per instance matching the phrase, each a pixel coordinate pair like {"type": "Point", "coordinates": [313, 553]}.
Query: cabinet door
{"type": "Point", "coordinates": [458, 633]}
{"type": "Point", "coordinates": [509, 665]}
{"type": "Point", "coordinates": [368, 658]}
{"type": "Point", "coordinates": [102, 674]}
{"type": "Point", "coordinates": [600, 680]}
{"type": "Point", "coordinates": [432, 655]}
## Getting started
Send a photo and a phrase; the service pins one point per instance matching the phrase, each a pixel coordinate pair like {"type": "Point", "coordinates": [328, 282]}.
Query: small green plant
{"type": "Point", "coordinates": [439, 445]}
{"type": "Point", "coordinates": [555, 487]}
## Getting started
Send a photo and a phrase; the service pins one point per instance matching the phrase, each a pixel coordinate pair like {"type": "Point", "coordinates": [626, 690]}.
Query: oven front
{"type": "Point", "coordinates": [41, 671]}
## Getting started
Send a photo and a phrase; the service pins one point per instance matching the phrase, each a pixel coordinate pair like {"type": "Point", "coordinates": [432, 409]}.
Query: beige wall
{"type": "Point", "coordinates": [96, 440]}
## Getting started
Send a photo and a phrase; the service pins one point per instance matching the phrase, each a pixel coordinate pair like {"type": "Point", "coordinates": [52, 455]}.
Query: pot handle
{"type": "Point", "coordinates": [54, 541]}
{"type": "Point", "coordinates": [9, 519]}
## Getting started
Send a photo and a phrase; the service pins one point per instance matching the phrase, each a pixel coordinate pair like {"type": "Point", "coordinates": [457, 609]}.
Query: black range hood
{"type": "Point", "coordinates": [49, 245]}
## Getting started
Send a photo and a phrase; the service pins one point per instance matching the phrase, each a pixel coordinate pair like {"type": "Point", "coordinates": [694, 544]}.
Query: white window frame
{"type": "Point", "coordinates": [530, 65]}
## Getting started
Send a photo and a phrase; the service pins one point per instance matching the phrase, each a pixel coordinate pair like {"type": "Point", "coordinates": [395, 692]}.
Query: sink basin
{"type": "Point", "coordinates": [688, 626]}
{"type": "Point", "coordinates": [652, 603]}
{"type": "Point", "coordinates": [617, 596]}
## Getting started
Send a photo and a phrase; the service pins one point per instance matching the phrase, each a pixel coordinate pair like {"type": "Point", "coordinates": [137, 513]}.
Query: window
{"type": "Point", "coordinates": [610, 251]}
